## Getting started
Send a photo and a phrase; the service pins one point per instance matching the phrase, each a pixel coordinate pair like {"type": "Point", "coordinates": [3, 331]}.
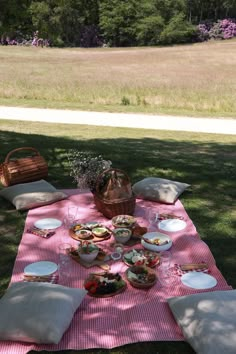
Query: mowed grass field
{"type": "Point", "coordinates": [195, 80]}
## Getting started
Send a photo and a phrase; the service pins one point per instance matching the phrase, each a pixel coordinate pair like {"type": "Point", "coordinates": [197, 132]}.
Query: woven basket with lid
{"type": "Point", "coordinates": [24, 169]}
{"type": "Point", "coordinates": [113, 195]}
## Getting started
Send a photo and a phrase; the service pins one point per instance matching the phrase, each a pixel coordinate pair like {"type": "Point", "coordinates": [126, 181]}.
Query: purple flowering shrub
{"type": "Point", "coordinates": [222, 29]}
{"type": "Point", "coordinates": [216, 31]}
{"type": "Point", "coordinates": [228, 27]}
{"type": "Point", "coordinates": [203, 31]}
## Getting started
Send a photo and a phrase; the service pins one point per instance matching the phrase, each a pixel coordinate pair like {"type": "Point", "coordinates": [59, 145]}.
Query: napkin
{"type": "Point", "coordinates": [53, 278]}
{"type": "Point", "coordinates": [165, 216]}
{"type": "Point", "coordinates": [41, 232]}
{"type": "Point", "coordinates": [181, 269]}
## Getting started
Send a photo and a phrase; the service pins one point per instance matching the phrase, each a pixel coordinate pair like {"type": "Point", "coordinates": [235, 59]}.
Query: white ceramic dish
{"type": "Point", "coordinates": [83, 234]}
{"type": "Point", "coordinates": [100, 231]}
{"type": "Point", "coordinates": [122, 235]}
{"type": "Point", "coordinates": [151, 236]}
{"type": "Point", "coordinates": [88, 257]}
{"type": "Point", "coordinates": [172, 225]}
{"type": "Point", "coordinates": [41, 268]}
{"type": "Point", "coordinates": [48, 224]}
{"type": "Point", "coordinates": [198, 280]}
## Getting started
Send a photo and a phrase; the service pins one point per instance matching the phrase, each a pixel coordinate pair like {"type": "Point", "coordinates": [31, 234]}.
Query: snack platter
{"type": "Point", "coordinates": [100, 257]}
{"type": "Point", "coordinates": [141, 277]}
{"type": "Point", "coordinates": [141, 257]}
{"type": "Point", "coordinates": [91, 231]}
{"type": "Point", "coordinates": [104, 284]}
{"type": "Point", "coordinates": [99, 261]}
{"type": "Point", "coordinates": [123, 221]}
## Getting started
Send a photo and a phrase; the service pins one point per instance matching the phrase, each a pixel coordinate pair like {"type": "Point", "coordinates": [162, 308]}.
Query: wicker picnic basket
{"type": "Point", "coordinates": [24, 169]}
{"type": "Point", "coordinates": [113, 194]}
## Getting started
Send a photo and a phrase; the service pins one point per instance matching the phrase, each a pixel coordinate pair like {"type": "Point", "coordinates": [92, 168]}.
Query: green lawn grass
{"type": "Point", "coordinates": [206, 161]}
{"type": "Point", "coordinates": [195, 80]}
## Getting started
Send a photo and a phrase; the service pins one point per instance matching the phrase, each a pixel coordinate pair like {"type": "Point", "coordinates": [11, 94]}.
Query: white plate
{"type": "Point", "coordinates": [172, 225]}
{"type": "Point", "coordinates": [40, 268]}
{"type": "Point", "coordinates": [48, 224]}
{"type": "Point", "coordinates": [198, 280]}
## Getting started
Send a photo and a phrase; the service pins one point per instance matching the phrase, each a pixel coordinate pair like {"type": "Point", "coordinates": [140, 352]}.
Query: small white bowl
{"type": "Point", "coordinates": [83, 234]}
{"type": "Point", "coordinates": [100, 231]}
{"type": "Point", "coordinates": [166, 240]}
{"type": "Point", "coordinates": [122, 235]}
{"type": "Point", "coordinates": [88, 257]}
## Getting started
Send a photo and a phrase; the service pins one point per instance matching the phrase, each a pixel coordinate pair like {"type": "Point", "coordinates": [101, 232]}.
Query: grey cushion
{"type": "Point", "coordinates": [208, 320]}
{"type": "Point", "coordinates": [30, 195]}
{"type": "Point", "coordinates": [159, 189]}
{"type": "Point", "coordinates": [38, 312]}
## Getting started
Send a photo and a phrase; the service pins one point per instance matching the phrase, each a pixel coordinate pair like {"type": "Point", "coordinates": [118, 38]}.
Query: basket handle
{"type": "Point", "coordinates": [20, 149]}
{"type": "Point", "coordinates": [107, 171]}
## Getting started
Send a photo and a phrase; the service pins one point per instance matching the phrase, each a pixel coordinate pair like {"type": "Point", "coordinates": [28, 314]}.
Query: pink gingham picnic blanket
{"type": "Point", "coordinates": [136, 315]}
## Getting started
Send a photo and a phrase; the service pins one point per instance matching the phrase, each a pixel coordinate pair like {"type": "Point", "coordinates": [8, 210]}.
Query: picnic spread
{"type": "Point", "coordinates": [110, 267]}
{"type": "Point", "coordinates": [131, 315]}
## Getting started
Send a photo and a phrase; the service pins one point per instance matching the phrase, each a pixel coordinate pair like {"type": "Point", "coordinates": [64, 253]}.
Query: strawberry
{"type": "Point", "coordinates": [93, 289]}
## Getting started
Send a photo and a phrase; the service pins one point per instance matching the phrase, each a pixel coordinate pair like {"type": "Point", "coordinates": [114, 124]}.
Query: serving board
{"type": "Point", "coordinates": [92, 238]}
{"type": "Point", "coordinates": [100, 263]}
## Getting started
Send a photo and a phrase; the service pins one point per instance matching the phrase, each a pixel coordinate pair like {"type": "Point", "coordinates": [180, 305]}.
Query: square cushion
{"type": "Point", "coordinates": [38, 312]}
{"type": "Point", "coordinates": [208, 320]}
{"type": "Point", "coordinates": [159, 189]}
{"type": "Point", "coordinates": [30, 195]}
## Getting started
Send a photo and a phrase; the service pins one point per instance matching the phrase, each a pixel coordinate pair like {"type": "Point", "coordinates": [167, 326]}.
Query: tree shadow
{"type": "Point", "coordinates": [209, 168]}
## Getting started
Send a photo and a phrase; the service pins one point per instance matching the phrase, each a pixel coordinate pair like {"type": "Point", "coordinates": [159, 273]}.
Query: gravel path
{"type": "Point", "coordinates": [158, 122]}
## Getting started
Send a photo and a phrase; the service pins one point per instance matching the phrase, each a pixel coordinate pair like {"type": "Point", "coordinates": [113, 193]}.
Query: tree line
{"type": "Point", "coordinates": [91, 23]}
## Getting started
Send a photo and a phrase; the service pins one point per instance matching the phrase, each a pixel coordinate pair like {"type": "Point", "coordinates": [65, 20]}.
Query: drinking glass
{"type": "Point", "coordinates": [72, 212]}
{"type": "Point", "coordinates": [152, 217]}
{"type": "Point", "coordinates": [64, 261]}
{"type": "Point", "coordinates": [165, 275]}
{"type": "Point", "coordinates": [69, 218]}
{"type": "Point", "coordinates": [165, 260]}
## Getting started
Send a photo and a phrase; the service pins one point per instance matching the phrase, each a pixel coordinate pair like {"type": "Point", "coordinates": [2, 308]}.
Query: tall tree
{"type": "Point", "coordinates": [117, 21]}
{"type": "Point", "coordinates": [14, 16]}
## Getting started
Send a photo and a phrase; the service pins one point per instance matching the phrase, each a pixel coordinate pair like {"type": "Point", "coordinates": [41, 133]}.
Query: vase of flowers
{"type": "Point", "coordinates": [85, 168]}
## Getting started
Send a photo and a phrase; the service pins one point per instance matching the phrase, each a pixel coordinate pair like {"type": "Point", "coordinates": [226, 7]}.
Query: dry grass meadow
{"type": "Point", "coordinates": [197, 80]}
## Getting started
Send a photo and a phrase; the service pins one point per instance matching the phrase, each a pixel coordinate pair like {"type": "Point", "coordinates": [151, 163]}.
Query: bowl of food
{"type": "Point", "coordinates": [100, 231]}
{"type": "Point", "coordinates": [126, 221]}
{"type": "Point", "coordinates": [122, 235]}
{"type": "Point", "coordinates": [156, 241]}
{"type": "Point", "coordinates": [88, 251]}
{"type": "Point", "coordinates": [83, 234]}
{"type": "Point", "coordinates": [141, 277]}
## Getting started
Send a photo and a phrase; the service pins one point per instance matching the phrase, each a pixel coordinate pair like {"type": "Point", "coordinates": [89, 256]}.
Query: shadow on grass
{"type": "Point", "coordinates": [210, 202]}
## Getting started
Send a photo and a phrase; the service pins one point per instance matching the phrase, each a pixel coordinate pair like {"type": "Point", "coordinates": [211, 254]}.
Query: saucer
{"type": "Point", "coordinates": [172, 225]}
{"type": "Point", "coordinates": [41, 268]}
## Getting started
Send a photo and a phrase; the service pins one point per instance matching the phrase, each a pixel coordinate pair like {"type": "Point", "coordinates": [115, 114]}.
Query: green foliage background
{"type": "Point", "coordinates": [89, 23]}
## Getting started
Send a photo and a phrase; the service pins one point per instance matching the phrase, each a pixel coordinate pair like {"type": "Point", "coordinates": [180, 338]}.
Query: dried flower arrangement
{"type": "Point", "coordinates": [85, 168]}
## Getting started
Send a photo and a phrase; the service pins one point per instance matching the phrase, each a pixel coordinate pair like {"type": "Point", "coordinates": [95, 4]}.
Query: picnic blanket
{"type": "Point", "coordinates": [136, 315]}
